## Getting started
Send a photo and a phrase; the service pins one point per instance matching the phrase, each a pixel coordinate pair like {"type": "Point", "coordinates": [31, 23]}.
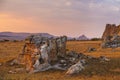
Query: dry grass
{"type": "Point", "coordinates": [9, 50]}
{"type": "Point", "coordinates": [94, 70]}
{"type": "Point", "coordinates": [82, 47]}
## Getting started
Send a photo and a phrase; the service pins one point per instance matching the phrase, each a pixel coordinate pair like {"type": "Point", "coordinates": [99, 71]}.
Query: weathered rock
{"type": "Point", "coordinates": [78, 67]}
{"type": "Point", "coordinates": [111, 36]}
{"type": "Point", "coordinates": [91, 49]}
{"type": "Point", "coordinates": [61, 46]}
{"type": "Point", "coordinates": [89, 57]}
{"type": "Point", "coordinates": [103, 59]}
{"type": "Point", "coordinates": [55, 47]}
{"type": "Point", "coordinates": [45, 67]}
{"type": "Point", "coordinates": [72, 54]}
{"type": "Point", "coordinates": [111, 30]}
{"type": "Point", "coordinates": [36, 39]}
{"type": "Point", "coordinates": [52, 51]}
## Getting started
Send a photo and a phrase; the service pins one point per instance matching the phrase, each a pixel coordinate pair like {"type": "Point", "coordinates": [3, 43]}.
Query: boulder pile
{"type": "Point", "coordinates": [41, 54]}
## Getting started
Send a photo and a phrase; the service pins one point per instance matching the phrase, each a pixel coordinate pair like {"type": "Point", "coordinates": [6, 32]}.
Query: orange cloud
{"type": "Point", "coordinates": [15, 23]}
{"type": "Point", "coordinates": [9, 22]}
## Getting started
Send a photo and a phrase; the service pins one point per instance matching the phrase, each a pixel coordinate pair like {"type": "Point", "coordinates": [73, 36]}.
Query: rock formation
{"type": "Point", "coordinates": [55, 48]}
{"type": "Point", "coordinates": [110, 31]}
{"type": "Point", "coordinates": [76, 68]}
{"type": "Point", "coordinates": [111, 36]}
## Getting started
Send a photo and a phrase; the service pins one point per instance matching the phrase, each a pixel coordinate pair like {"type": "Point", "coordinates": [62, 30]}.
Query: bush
{"type": "Point", "coordinates": [6, 40]}
{"type": "Point", "coordinates": [15, 40]}
{"type": "Point", "coordinates": [96, 39]}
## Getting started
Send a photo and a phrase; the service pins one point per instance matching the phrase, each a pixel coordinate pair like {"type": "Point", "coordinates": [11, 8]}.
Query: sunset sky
{"type": "Point", "coordinates": [59, 17]}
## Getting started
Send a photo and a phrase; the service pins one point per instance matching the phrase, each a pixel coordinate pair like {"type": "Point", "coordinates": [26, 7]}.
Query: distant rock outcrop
{"type": "Point", "coordinates": [111, 36]}
{"type": "Point", "coordinates": [110, 31]}
{"type": "Point", "coordinates": [82, 37]}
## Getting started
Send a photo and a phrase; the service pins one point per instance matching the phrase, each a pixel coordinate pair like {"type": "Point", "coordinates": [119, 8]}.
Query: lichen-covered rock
{"type": "Point", "coordinates": [103, 59]}
{"type": "Point", "coordinates": [111, 36]}
{"type": "Point", "coordinates": [110, 31]}
{"type": "Point", "coordinates": [61, 45]}
{"type": "Point", "coordinates": [76, 68]}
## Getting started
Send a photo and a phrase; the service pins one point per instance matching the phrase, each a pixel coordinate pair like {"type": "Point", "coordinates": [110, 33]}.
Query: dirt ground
{"type": "Point", "coordinates": [93, 71]}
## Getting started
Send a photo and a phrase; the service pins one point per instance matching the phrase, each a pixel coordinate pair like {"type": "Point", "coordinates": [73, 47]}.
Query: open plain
{"type": "Point", "coordinates": [93, 71]}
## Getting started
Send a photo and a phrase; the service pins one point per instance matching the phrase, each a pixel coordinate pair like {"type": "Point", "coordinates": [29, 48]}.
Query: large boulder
{"type": "Point", "coordinates": [110, 31]}
{"type": "Point", "coordinates": [56, 47]}
{"type": "Point", "coordinates": [76, 68]}
{"type": "Point", "coordinates": [111, 36]}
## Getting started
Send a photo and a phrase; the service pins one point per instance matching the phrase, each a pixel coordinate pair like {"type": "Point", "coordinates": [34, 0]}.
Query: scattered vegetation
{"type": "Point", "coordinates": [96, 39]}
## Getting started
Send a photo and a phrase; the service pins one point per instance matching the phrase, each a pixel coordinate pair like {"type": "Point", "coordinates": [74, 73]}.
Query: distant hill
{"type": "Point", "coordinates": [82, 37]}
{"type": "Point", "coordinates": [21, 36]}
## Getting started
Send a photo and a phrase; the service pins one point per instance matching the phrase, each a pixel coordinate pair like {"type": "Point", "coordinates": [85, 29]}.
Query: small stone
{"type": "Point", "coordinates": [76, 68]}
{"type": "Point", "coordinates": [12, 72]}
